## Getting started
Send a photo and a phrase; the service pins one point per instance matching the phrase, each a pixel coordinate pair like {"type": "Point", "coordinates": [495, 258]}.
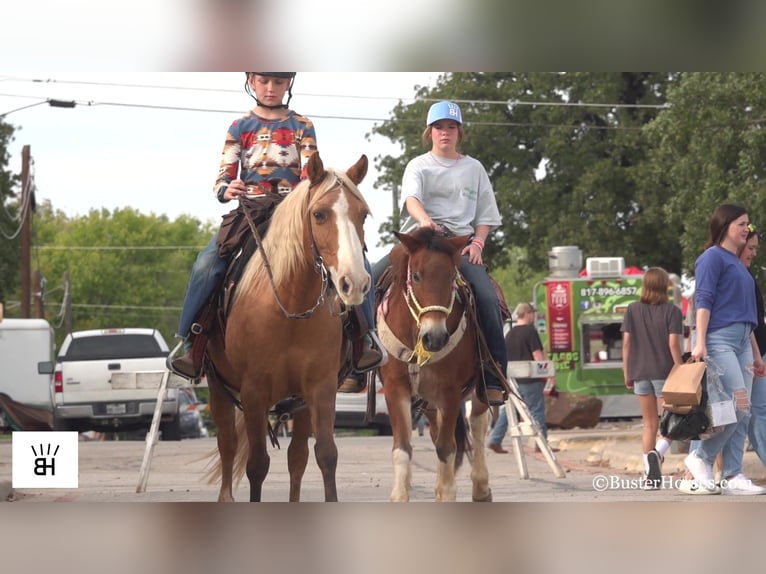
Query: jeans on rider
{"type": "Point", "coordinates": [487, 308]}
{"type": "Point", "coordinates": [207, 272]}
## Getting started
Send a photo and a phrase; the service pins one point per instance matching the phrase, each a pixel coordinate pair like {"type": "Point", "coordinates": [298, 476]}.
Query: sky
{"type": "Point", "coordinates": [115, 149]}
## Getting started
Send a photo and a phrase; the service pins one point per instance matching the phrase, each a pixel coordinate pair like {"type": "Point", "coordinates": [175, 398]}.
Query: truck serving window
{"type": "Point", "coordinates": [113, 347]}
{"type": "Point", "coordinates": [602, 344]}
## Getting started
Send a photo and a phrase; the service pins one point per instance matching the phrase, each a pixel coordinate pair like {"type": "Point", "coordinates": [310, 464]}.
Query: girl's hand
{"type": "Point", "coordinates": [629, 384]}
{"type": "Point", "coordinates": [474, 253]}
{"type": "Point", "coordinates": [235, 190]}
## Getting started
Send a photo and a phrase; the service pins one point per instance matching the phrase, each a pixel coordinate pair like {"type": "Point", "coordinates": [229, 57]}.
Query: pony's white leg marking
{"type": "Point", "coordinates": [350, 255]}
{"type": "Point", "coordinates": [402, 473]}
{"type": "Point", "coordinates": [446, 489]}
{"type": "Point", "coordinates": [479, 470]}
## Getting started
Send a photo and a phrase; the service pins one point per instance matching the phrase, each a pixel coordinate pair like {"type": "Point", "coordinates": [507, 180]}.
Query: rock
{"type": "Point", "coordinates": [570, 410]}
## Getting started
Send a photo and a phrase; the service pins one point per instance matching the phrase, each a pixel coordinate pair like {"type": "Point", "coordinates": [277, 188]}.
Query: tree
{"type": "Point", "coordinates": [9, 218]}
{"type": "Point", "coordinates": [126, 269]}
{"type": "Point", "coordinates": [709, 148]}
{"type": "Point", "coordinates": [564, 172]}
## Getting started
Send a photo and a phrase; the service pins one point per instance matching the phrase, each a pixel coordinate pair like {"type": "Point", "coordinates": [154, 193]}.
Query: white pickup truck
{"type": "Point", "coordinates": [108, 379]}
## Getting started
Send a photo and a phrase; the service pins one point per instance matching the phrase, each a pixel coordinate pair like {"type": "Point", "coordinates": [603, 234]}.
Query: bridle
{"type": "Point", "coordinates": [416, 309]}
{"type": "Point", "coordinates": [319, 265]}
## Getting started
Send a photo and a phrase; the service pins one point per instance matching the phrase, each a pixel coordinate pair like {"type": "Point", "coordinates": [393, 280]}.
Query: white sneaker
{"type": "Point", "coordinates": [740, 485]}
{"type": "Point", "coordinates": [692, 486]}
{"type": "Point", "coordinates": [701, 471]}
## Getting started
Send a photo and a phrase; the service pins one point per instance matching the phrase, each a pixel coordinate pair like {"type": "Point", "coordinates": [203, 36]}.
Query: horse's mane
{"type": "Point", "coordinates": [427, 239]}
{"type": "Point", "coordinates": [283, 243]}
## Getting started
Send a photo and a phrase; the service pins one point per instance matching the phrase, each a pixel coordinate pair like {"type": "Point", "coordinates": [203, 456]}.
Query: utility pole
{"type": "Point", "coordinates": [39, 295]}
{"type": "Point", "coordinates": [67, 305]}
{"type": "Point", "coordinates": [26, 232]}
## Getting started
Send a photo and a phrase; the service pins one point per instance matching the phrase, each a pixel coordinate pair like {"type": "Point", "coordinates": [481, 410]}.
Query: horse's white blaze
{"type": "Point", "coordinates": [350, 271]}
{"type": "Point", "coordinates": [400, 490]}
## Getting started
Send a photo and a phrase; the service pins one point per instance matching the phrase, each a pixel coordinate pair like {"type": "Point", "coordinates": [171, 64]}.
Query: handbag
{"type": "Point", "coordinates": [684, 384]}
{"type": "Point", "coordinates": [684, 427]}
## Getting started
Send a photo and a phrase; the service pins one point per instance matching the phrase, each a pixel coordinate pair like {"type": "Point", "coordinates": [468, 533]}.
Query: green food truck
{"type": "Point", "coordinates": [579, 316]}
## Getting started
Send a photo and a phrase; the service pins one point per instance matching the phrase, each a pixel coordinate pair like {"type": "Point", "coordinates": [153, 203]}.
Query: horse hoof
{"type": "Point", "coordinates": [486, 498]}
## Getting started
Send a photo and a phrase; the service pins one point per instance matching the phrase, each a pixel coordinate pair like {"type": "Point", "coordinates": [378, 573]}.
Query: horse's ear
{"type": "Point", "coordinates": [316, 169]}
{"type": "Point", "coordinates": [409, 242]}
{"type": "Point", "coordinates": [357, 171]}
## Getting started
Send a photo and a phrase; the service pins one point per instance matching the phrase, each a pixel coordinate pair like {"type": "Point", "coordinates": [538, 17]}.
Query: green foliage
{"type": "Point", "coordinates": [563, 175]}
{"type": "Point", "coordinates": [709, 148]}
{"type": "Point", "coordinates": [9, 217]}
{"type": "Point", "coordinates": [126, 269]}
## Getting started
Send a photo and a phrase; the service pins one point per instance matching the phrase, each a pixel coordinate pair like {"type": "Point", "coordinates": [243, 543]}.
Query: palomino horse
{"type": "Point", "coordinates": [284, 333]}
{"type": "Point", "coordinates": [433, 355]}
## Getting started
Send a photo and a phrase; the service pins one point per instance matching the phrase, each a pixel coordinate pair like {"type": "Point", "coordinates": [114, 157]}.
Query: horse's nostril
{"type": "Point", "coordinates": [345, 286]}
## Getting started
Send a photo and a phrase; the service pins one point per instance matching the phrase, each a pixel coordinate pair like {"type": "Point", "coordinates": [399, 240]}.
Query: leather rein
{"type": "Point", "coordinates": [319, 265]}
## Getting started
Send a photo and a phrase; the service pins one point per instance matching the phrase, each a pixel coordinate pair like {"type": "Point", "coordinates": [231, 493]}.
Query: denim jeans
{"type": "Point", "coordinates": [207, 272]}
{"type": "Point", "coordinates": [757, 429]}
{"type": "Point", "coordinates": [731, 352]}
{"type": "Point", "coordinates": [532, 393]}
{"type": "Point", "coordinates": [487, 308]}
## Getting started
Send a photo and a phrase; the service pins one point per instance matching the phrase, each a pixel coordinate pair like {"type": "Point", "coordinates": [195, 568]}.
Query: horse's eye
{"type": "Point", "coordinates": [416, 277]}
{"type": "Point", "coordinates": [320, 216]}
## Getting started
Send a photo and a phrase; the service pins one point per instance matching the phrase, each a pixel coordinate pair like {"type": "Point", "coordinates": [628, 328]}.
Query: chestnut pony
{"type": "Point", "coordinates": [284, 332]}
{"type": "Point", "coordinates": [433, 355]}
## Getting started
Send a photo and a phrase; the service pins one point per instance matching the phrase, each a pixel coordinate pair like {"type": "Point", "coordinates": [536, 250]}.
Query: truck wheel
{"type": "Point", "coordinates": [171, 430]}
{"type": "Point", "coordinates": [60, 424]}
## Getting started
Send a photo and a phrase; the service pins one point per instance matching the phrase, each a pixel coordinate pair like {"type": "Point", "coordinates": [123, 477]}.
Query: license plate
{"type": "Point", "coordinates": [116, 408]}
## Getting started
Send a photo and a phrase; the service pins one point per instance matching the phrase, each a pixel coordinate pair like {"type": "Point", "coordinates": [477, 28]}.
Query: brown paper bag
{"type": "Point", "coordinates": [684, 384]}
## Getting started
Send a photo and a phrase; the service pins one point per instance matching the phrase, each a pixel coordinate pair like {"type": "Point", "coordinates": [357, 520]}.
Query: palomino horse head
{"type": "Point", "coordinates": [319, 223]}
{"type": "Point", "coordinates": [428, 273]}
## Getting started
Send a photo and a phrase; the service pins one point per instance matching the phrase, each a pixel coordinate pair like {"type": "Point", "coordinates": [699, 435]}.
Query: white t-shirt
{"type": "Point", "coordinates": [455, 193]}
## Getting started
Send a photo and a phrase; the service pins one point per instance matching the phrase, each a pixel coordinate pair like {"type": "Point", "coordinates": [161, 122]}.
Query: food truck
{"type": "Point", "coordinates": [579, 316]}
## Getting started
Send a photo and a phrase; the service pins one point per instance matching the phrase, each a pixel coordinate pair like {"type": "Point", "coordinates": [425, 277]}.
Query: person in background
{"type": "Point", "coordinates": [449, 191]}
{"type": "Point", "coordinates": [726, 318]}
{"type": "Point", "coordinates": [756, 430]}
{"type": "Point", "coordinates": [652, 337]}
{"type": "Point", "coordinates": [523, 344]}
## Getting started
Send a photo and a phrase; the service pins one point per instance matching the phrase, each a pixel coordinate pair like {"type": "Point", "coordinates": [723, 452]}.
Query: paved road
{"type": "Point", "coordinates": [601, 465]}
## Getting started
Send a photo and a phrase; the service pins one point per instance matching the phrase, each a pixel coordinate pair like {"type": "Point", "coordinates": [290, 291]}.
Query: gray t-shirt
{"type": "Point", "coordinates": [650, 327]}
{"type": "Point", "coordinates": [455, 193]}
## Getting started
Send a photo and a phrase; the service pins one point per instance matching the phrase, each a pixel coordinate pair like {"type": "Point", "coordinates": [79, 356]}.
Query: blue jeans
{"type": "Point", "coordinates": [731, 352]}
{"type": "Point", "coordinates": [757, 430]}
{"type": "Point", "coordinates": [532, 393]}
{"type": "Point", "coordinates": [487, 308]}
{"type": "Point", "coordinates": [207, 272]}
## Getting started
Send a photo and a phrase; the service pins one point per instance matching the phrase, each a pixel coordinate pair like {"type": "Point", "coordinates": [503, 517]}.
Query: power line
{"type": "Point", "coordinates": [117, 247]}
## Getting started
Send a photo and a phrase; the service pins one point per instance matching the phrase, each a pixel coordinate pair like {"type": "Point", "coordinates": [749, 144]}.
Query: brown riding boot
{"type": "Point", "coordinates": [368, 353]}
{"type": "Point", "coordinates": [353, 384]}
{"type": "Point", "coordinates": [189, 365]}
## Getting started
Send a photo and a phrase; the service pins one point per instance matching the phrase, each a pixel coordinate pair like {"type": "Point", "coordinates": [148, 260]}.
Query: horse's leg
{"type": "Point", "coordinates": [325, 450]}
{"type": "Point", "coordinates": [446, 447]}
{"type": "Point", "coordinates": [478, 422]}
{"type": "Point", "coordinates": [222, 411]}
{"type": "Point", "coordinates": [298, 452]}
{"type": "Point", "coordinates": [399, 403]}
{"type": "Point", "coordinates": [256, 421]}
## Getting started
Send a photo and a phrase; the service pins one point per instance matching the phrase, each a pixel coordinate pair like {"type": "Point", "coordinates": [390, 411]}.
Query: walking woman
{"type": "Point", "coordinates": [726, 318]}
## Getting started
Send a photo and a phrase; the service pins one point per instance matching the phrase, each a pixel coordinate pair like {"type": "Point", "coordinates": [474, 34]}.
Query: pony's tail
{"type": "Point", "coordinates": [463, 441]}
{"type": "Point", "coordinates": [214, 473]}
